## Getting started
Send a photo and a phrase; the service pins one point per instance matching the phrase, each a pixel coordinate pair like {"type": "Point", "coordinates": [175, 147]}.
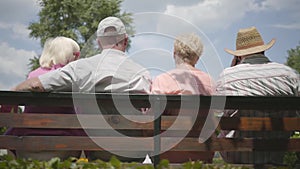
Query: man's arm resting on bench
{"type": "Point", "coordinates": [32, 84]}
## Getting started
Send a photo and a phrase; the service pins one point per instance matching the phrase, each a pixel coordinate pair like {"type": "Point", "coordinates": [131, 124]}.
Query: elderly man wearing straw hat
{"type": "Point", "coordinates": [253, 74]}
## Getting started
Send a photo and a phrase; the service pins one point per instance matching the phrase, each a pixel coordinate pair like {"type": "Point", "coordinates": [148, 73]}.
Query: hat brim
{"type": "Point", "coordinates": [252, 50]}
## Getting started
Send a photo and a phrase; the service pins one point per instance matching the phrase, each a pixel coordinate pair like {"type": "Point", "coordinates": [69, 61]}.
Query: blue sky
{"type": "Point", "coordinates": [157, 23]}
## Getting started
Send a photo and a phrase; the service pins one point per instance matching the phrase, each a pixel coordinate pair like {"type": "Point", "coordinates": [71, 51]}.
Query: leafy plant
{"type": "Point", "coordinates": [2, 130]}
{"type": "Point", "coordinates": [293, 59]}
{"type": "Point", "coordinates": [292, 159]}
{"type": "Point", "coordinates": [33, 63]}
{"type": "Point", "coordinates": [7, 162]}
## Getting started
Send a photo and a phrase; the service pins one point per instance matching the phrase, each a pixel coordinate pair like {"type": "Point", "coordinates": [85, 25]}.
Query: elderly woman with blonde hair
{"type": "Point", "coordinates": [57, 53]}
{"type": "Point", "coordinates": [185, 79]}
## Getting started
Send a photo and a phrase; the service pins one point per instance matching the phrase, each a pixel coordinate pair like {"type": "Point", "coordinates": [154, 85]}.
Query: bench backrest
{"type": "Point", "coordinates": [154, 124]}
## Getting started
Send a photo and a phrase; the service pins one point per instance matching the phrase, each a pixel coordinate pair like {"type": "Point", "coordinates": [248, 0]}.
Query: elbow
{"type": "Point", "coordinates": [33, 84]}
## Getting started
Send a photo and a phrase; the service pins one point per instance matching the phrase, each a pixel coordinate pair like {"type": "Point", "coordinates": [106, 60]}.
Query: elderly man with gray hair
{"type": "Point", "coordinates": [110, 71]}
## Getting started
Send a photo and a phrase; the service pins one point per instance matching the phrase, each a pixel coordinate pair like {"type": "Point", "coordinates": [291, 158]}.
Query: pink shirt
{"type": "Point", "coordinates": [41, 70]}
{"type": "Point", "coordinates": [185, 79]}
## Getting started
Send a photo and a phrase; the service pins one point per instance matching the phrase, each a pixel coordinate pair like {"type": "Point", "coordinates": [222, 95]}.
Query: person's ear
{"type": "Point", "coordinates": [125, 43]}
{"type": "Point", "coordinates": [196, 60]}
{"type": "Point", "coordinates": [76, 57]}
{"type": "Point", "coordinates": [239, 58]}
{"type": "Point", "coordinates": [235, 61]}
{"type": "Point", "coordinates": [99, 44]}
{"type": "Point", "coordinates": [174, 54]}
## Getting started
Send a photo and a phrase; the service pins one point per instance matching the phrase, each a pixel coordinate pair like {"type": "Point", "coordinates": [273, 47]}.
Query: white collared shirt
{"type": "Point", "coordinates": [110, 71]}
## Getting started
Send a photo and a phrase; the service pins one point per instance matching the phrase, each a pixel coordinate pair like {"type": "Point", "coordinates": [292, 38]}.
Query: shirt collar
{"type": "Point", "coordinates": [110, 51]}
{"type": "Point", "coordinates": [256, 59]}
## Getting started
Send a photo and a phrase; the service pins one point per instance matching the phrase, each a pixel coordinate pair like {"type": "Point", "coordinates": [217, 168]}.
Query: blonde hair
{"type": "Point", "coordinates": [188, 48]}
{"type": "Point", "coordinates": [59, 50]}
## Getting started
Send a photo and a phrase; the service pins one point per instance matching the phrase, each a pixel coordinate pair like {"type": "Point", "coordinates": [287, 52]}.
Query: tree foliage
{"type": "Point", "coordinates": [293, 59]}
{"type": "Point", "coordinates": [33, 63]}
{"type": "Point", "coordinates": [76, 19]}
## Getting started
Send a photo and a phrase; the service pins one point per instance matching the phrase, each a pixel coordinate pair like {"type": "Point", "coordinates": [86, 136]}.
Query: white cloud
{"type": "Point", "coordinates": [281, 5]}
{"type": "Point", "coordinates": [15, 16]}
{"type": "Point", "coordinates": [18, 10]}
{"type": "Point", "coordinates": [13, 64]}
{"type": "Point", "coordinates": [18, 30]}
{"type": "Point", "coordinates": [213, 14]}
{"type": "Point", "coordinates": [295, 26]}
{"type": "Point", "coordinates": [289, 8]}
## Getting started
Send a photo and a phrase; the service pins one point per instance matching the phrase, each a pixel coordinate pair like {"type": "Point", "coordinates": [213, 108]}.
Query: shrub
{"type": "Point", "coordinates": [8, 162]}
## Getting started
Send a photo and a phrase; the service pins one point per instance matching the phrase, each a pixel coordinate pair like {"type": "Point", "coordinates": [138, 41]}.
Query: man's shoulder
{"type": "Point", "coordinates": [267, 70]}
{"type": "Point", "coordinates": [84, 61]}
{"type": "Point", "coordinates": [281, 68]}
{"type": "Point", "coordinates": [248, 67]}
{"type": "Point", "coordinates": [130, 65]}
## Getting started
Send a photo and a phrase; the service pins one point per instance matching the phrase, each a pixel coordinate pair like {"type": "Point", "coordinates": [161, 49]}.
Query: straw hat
{"type": "Point", "coordinates": [249, 41]}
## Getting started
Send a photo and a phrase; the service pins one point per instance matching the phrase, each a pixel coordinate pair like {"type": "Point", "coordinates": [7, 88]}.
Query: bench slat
{"type": "Point", "coordinates": [231, 144]}
{"type": "Point", "coordinates": [125, 144]}
{"type": "Point", "coordinates": [143, 100]}
{"type": "Point", "coordinates": [260, 123]}
{"type": "Point", "coordinates": [120, 122]}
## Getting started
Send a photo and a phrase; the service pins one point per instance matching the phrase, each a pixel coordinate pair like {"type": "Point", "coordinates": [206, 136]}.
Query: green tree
{"type": "Point", "coordinates": [76, 19]}
{"type": "Point", "coordinates": [293, 59]}
{"type": "Point", "coordinates": [34, 63]}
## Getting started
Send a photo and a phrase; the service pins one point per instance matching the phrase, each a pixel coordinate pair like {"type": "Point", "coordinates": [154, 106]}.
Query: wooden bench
{"type": "Point", "coordinates": [155, 123]}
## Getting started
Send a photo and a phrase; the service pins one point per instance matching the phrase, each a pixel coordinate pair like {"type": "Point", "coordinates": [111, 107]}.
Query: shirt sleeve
{"type": "Point", "coordinates": [59, 79]}
{"type": "Point", "coordinates": [141, 84]}
{"type": "Point", "coordinates": [155, 87]}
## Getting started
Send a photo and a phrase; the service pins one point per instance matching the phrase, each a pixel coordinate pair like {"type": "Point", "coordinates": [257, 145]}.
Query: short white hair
{"type": "Point", "coordinates": [59, 50]}
{"type": "Point", "coordinates": [188, 48]}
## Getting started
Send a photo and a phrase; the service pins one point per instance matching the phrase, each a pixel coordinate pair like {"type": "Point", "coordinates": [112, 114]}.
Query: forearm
{"type": "Point", "coordinates": [32, 84]}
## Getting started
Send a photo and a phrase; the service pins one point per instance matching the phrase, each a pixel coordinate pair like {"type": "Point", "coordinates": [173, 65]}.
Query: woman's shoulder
{"type": "Point", "coordinates": [37, 72]}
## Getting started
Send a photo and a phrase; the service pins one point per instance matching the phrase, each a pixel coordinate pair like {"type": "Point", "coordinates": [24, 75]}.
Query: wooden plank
{"type": "Point", "coordinates": [74, 143]}
{"type": "Point", "coordinates": [230, 144]}
{"type": "Point", "coordinates": [144, 122]}
{"type": "Point", "coordinates": [260, 123]}
{"type": "Point", "coordinates": [143, 101]}
{"type": "Point", "coordinates": [125, 144]}
{"type": "Point", "coordinates": [72, 121]}
{"type": "Point", "coordinates": [91, 121]}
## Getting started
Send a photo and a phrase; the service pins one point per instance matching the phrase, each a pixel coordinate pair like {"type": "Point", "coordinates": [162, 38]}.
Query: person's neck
{"type": "Point", "coordinates": [184, 65]}
{"type": "Point", "coordinates": [116, 47]}
{"type": "Point", "coordinates": [257, 58]}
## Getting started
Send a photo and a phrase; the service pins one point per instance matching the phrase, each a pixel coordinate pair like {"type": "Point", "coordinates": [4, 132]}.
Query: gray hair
{"type": "Point", "coordinates": [188, 48]}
